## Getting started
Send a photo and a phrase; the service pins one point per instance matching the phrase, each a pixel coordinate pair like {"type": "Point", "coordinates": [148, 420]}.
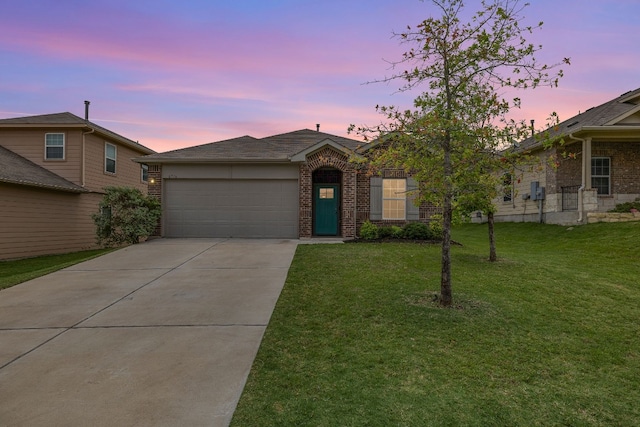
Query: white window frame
{"type": "Point", "coordinates": [389, 196]}
{"type": "Point", "coordinates": [47, 146]}
{"type": "Point", "coordinates": [607, 176]}
{"type": "Point", "coordinates": [144, 172]}
{"type": "Point", "coordinates": [107, 158]}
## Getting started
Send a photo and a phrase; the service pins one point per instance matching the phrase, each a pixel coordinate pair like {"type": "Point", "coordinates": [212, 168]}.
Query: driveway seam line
{"type": "Point", "coordinates": [74, 326]}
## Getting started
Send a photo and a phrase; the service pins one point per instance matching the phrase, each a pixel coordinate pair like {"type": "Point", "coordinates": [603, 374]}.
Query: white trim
{"type": "Point", "coordinates": [608, 176]}
{"type": "Point", "coordinates": [115, 158]}
{"type": "Point", "coordinates": [64, 146]}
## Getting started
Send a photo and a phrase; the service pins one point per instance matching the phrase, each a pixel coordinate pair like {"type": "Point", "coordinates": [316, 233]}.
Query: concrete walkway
{"type": "Point", "coordinates": [158, 334]}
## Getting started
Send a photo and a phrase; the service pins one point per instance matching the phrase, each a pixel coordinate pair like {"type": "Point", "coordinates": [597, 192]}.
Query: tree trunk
{"type": "Point", "coordinates": [446, 297]}
{"type": "Point", "coordinates": [492, 240]}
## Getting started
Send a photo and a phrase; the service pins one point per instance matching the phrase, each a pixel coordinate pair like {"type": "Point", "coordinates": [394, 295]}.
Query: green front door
{"type": "Point", "coordinates": [326, 209]}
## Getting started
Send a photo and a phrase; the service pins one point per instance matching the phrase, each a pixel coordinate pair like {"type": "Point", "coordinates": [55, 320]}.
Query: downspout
{"type": "Point", "coordinates": [83, 155]}
{"type": "Point", "coordinates": [582, 177]}
{"type": "Point", "coordinates": [82, 159]}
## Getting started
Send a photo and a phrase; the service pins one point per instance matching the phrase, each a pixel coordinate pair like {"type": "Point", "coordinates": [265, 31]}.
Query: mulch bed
{"type": "Point", "coordinates": [392, 240]}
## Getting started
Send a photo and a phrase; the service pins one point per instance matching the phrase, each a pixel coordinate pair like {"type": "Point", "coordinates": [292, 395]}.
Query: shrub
{"type": "Point", "coordinates": [384, 231]}
{"type": "Point", "coordinates": [626, 207]}
{"type": "Point", "coordinates": [125, 216]}
{"type": "Point", "coordinates": [369, 231]}
{"type": "Point", "coordinates": [390, 231]}
{"type": "Point", "coordinates": [397, 232]}
{"type": "Point", "coordinates": [417, 231]}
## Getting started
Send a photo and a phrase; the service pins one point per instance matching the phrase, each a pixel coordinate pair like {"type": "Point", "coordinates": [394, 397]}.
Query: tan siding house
{"type": "Point", "coordinates": [53, 169]}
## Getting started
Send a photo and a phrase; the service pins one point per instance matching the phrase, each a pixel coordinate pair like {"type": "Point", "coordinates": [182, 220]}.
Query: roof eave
{"type": "Point", "coordinates": [122, 140]}
{"type": "Point", "coordinates": [616, 131]}
{"type": "Point", "coordinates": [78, 190]}
{"type": "Point", "coordinates": [165, 160]}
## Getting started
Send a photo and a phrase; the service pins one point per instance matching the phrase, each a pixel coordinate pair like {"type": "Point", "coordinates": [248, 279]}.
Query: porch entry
{"type": "Point", "coordinates": [326, 202]}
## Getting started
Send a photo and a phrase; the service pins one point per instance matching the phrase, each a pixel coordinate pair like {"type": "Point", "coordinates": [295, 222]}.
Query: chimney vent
{"type": "Point", "coordinates": [533, 127]}
{"type": "Point", "coordinates": [86, 110]}
{"type": "Point", "coordinates": [317, 127]}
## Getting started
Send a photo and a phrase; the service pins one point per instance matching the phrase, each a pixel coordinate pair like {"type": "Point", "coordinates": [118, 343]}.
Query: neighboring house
{"type": "Point", "coordinates": [53, 169]}
{"type": "Point", "coordinates": [294, 185]}
{"type": "Point", "coordinates": [597, 167]}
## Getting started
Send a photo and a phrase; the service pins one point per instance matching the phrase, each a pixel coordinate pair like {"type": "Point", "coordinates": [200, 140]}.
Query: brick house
{"type": "Point", "coordinates": [53, 169]}
{"type": "Point", "coordinates": [596, 168]}
{"type": "Point", "coordinates": [299, 184]}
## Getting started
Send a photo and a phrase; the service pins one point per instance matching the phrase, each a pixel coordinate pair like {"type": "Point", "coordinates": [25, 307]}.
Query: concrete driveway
{"type": "Point", "coordinates": [158, 334]}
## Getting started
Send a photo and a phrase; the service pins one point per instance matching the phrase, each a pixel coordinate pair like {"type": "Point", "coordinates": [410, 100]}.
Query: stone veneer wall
{"type": "Point", "coordinates": [328, 157]}
{"type": "Point", "coordinates": [593, 217]}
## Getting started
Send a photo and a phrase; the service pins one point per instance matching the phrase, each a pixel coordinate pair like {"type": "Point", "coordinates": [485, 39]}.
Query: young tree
{"type": "Point", "coordinates": [449, 140]}
{"type": "Point", "coordinates": [125, 215]}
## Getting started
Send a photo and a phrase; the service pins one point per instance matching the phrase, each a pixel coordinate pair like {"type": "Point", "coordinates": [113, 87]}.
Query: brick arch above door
{"type": "Point", "coordinates": [328, 157]}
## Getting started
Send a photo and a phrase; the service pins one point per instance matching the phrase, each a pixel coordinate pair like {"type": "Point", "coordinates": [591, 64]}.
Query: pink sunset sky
{"type": "Point", "coordinates": [172, 74]}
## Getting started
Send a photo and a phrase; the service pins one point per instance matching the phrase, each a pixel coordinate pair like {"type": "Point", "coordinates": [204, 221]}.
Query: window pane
{"type": "Point", "coordinates": [55, 139]}
{"type": "Point", "coordinates": [393, 209]}
{"type": "Point", "coordinates": [326, 193]}
{"type": "Point", "coordinates": [111, 151]}
{"type": "Point", "coordinates": [110, 166]}
{"type": "Point", "coordinates": [55, 153]}
{"type": "Point", "coordinates": [600, 166]}
{"type": "Point", "coordinates": [601, 184]}
{"type": "Point", "coordinates": [393, 188]}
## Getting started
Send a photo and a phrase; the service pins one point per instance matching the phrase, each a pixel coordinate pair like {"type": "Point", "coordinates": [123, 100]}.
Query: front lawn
{"type": "Point", "coordinates": [18, 271]}
{"type": "Point", "coordinates": [548, 335]}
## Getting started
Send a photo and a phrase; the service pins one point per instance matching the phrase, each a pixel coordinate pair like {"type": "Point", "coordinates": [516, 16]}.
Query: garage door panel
{"type": "Point", "coordinates": [230, 208]}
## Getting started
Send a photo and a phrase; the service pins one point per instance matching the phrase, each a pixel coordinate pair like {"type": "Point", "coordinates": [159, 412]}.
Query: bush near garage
{"type": "Point", "coordinates": [125, 216]}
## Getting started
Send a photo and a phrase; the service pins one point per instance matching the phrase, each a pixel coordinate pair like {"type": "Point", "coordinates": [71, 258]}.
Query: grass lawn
{"type": "Point", "coordinates": [548, 335]}
{"type": "Point", "coordinates": [14, 272]}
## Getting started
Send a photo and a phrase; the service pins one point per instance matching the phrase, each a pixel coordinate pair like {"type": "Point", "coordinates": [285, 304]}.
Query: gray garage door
{"type": "Point", "coordinates": [230, 208]}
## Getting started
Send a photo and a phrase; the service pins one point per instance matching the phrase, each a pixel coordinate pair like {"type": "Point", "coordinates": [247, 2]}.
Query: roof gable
{"type": "Point", "coordinates": [15, 169]}
{"type": "Point", "coordinates": [302, 155]}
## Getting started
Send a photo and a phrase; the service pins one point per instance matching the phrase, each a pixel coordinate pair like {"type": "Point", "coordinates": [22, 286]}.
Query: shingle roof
{"type": "Point", "coordinates": [247, 148]}
{"type": "Point", "coordinates": [605, 115]}
{"type": "Point", "coordinates": [69, 119]}
{"type": "Point", "coordinates": [15, 169]}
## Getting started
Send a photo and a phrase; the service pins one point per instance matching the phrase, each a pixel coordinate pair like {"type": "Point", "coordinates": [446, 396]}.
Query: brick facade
{"type": "Point", "coordinates": [364, 200]}
{"type": "Point", "coordinates": [355, 193]}
{"type": "Point", "coordinates": [328, 158]}
{"type": "Point", "coordinates": [155, 190]}
{"type": "Point", "coordinates": [625, 167]}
